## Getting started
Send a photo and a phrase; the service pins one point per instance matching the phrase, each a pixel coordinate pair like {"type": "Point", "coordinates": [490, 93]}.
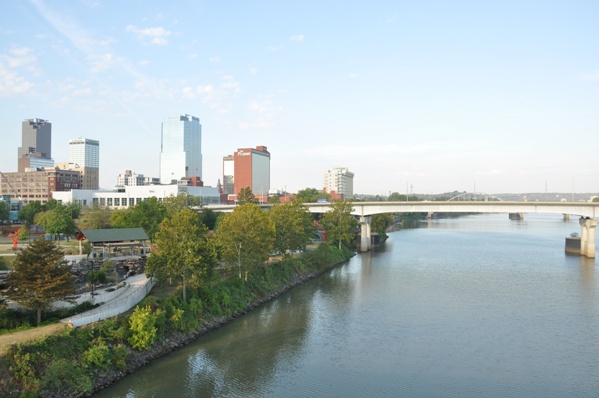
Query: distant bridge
{"type": "Point", "coordinates": [587, 211]}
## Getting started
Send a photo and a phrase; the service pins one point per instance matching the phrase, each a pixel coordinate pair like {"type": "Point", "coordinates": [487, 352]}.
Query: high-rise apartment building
{"type": "Point", "coordinates": [36, 144]}
{"type": "Point", "coordinates": [180, 148]}
{"type": "Point", "coordinates": [251, 168]}
{"type": "Point", "coordinates": [340, 180]}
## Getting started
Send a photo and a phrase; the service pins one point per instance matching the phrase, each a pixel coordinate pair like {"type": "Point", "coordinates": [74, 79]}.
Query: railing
{"type": "Point", "coordinates": [113, 308]}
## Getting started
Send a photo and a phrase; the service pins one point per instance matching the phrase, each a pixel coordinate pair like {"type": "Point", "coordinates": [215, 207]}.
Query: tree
{"type": "Point", "coordinates": [397, 197]}
{"type": "Point", "coordinates": [95, 217]}
{"type": "Point", "coordinates": [4, 211]}
{"type": "Point", "coordinates": [245, 237]}
{"type": "Point", "coordinates": [174, 204]}
{"type": "Point", "coordinates": [40, 276]}
{"type": "Point", "coordinates": [311, 195]}
{"type": "Point", "coordinates": [56, 221]}
{"type": "Point", "coordinates": [293, 227]}
{"type": "Point", "coordinates": [339, 223]}
{"type": "Point", "coordinates": [246, 196]}
{"type": "Point", "coordinates": [182, 250]}
{"type": "Point", "coordinates": [28, 212]}
{"type": "Point", "coordinates": [209, 218]}
{"type": "Point", "coordinates": [273, 200]}
{"type": "Point", "coordinates": [147, 215]}
{"type": "Point", "coordinates": [380, 223]}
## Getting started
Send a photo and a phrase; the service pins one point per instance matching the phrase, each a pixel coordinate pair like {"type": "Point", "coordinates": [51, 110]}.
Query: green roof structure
{"type": "Point", "coordinates": [113, 235]}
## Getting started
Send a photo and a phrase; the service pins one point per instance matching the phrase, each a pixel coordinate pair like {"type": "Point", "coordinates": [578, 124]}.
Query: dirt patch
{"type": "Point", "coordinates": [6, 340]}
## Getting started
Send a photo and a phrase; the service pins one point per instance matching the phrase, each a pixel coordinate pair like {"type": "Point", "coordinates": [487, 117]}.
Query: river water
{"type": "Point", "coordinates": [478, 306]}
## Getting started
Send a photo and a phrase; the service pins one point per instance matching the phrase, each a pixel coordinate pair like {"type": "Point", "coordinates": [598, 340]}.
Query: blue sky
{"type": "Point", "coordinates": [438, 95]}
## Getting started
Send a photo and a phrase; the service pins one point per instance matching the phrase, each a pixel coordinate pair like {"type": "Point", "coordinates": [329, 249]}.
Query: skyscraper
{"type": "Point", "coordinates": [180, 148]}
{"type": "Point", "coordinates": [36, 144]}
{"type": "Point", "coordinates": [251, 170]}
{"type": "Point", "coordinates": [84, 155]}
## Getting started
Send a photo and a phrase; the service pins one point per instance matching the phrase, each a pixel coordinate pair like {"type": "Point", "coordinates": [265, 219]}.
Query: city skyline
{"type": "Point", "coordinates": [433, 96]}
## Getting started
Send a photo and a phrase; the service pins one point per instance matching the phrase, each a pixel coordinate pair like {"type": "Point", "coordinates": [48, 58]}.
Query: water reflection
{"type": "Point", "coordinates": [476, 307]}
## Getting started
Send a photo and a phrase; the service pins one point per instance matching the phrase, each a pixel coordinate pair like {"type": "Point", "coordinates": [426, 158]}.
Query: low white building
{"type": "Point", "coordinates": [132, 195]}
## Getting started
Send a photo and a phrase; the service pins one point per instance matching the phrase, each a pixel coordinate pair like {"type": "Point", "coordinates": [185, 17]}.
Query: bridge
{"type": "Point", "coordinates": [588, 212]}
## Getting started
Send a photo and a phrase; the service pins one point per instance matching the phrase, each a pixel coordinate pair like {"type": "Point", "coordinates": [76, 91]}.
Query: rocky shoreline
{"type": "Point", "coordinates": [174, 341]}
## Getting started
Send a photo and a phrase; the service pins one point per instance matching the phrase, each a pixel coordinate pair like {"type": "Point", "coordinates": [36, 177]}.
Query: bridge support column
{"type": "Point", "coordinates": [365, 235]}
{"type": "Point", "coordinates": [587, 236]}
{"type": "Point", "coordinates": [566, 217]}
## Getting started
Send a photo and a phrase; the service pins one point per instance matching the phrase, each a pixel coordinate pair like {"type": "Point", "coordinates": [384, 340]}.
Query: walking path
{"type": "Point", "coordinates": [112, 303]}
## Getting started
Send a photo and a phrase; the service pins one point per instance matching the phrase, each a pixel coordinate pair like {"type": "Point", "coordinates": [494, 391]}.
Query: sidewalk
{"type": "Point", "coordinates": [138, 286]}
{"type": "Point", "coordinates": [113, 303]}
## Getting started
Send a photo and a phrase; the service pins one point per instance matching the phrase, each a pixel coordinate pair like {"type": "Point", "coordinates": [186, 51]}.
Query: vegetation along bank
{"type": "Point", "coordinates": [205, 279]}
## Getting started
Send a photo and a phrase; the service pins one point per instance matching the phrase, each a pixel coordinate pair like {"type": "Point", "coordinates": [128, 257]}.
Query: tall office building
{"type": "Point", "coordinates": [36, 144]}
{"type": "Point", "coordinates": [251, 169]}
{"type": "Point", "coordinates": [340, 180]}
{"type": "Point", "coordinates": [229, 175]}
{"type": "Point", "coordinates": [85, 153]}
{"type": "Point", "coordinates": [180, 148]}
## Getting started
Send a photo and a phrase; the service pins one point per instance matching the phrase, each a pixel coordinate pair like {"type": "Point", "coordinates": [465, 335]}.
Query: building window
{"type": "Point", "coordinates": [102, 201]}
{"type": "Point", "coordinates": [95, 201]}
{"type": "Point", "coordinates": [131, 201]}
{"type": "Point", "coordinates": [109, 201]}
{"type": "Point", "coordinates": [117, 201]}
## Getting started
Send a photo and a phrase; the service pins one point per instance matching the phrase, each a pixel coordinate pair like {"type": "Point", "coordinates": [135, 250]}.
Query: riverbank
{"type": "Point", "coordinates": [86, 360]}
{"type": "Point", "coordinates": [178, 340]}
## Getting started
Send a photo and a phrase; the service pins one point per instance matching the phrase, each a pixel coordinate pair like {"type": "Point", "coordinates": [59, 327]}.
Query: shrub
{"type": "Point", "coordinates": [98, 355]}
{"type": "Point", "coordinates": [65, 377]}
{"type": "Point", "coordinates": [142, 326]}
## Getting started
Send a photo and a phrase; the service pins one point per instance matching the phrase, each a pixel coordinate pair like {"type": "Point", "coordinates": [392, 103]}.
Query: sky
{"type": "Point", "coordinates": [428, 96]}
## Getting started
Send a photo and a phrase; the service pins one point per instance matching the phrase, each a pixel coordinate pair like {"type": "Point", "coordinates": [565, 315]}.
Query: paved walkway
{"type": "Point", "coordinates": [138, 286]}
{"type": "Point", "coordinates": [113, 303]}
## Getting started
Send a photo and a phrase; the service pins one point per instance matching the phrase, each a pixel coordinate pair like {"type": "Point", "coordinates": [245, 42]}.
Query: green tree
{"type": "Point", "coordinates": [174, 204]}
{"type": "Point", "coordinates": [339, 223]}
{"type": "Point", "coordinates": [147, 215]}
{"type": "Point", "coordinates": [293, 227]}
{"type": "Point", "coordinates": [246, 196]}
{"type": "Point", "coordinates": [95, 217]}
{"type": "Point", "coordinates": [245, 237]}
{"type": "Point", "coordinates": [311, 195]}
{"type": "Point", "coordinates": [29, 211]}
{"type": "Point", "coordinates": [209, 218]}
{"type": "Point", "coordinates": [182, 250]}
{"type": "Point", "coordinates": [397, 197]}
{"type": "Point", "coordinates": [273, 200]}
{"type": "Point", "coordinates": [4, 211]}
{"type": "Point", "coordinates": [381, 222]}
{"type": "Point", "coordinates": [40, 276]}
{"type": "Point", "coordinates": [56, 221]}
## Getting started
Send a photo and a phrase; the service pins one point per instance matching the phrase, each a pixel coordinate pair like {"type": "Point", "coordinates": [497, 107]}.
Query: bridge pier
{"type": "Point", "coordinates": [587, 236]}
{"type": "Point", "coordinates": [365, 233]}
{"type": "Point", "coordinates": [566, 217]}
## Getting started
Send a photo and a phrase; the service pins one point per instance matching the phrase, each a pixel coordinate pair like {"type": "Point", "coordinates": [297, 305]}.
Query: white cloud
{"type": "Point", "coordinates": [101, 62]}
{"type": "Point", "coordinates": [157, 36]}
{"type": "Point", "coordinates": [11, 66]}
{"type": "Point", "coordinates": [11, 82]}
{"type": "Point", "coordinates": [297, 38]}
{"type": "Point", "coordinates": [279, 47]}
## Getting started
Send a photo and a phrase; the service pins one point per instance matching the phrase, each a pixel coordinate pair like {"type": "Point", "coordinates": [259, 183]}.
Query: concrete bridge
{"type": "Point", "coordinates": [588, 212]}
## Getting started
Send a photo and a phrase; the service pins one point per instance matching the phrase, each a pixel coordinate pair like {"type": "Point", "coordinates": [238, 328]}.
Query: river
{"type": "Point", "coordinates": [478, 306]}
